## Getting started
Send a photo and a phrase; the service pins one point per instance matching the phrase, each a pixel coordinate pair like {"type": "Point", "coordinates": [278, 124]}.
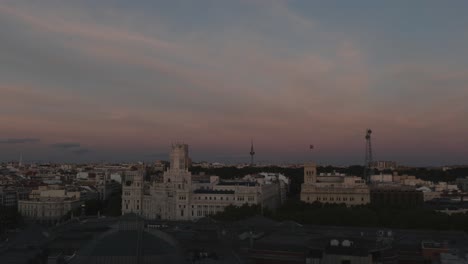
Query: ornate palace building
{"type": "Point", "coordinates": [333, 188]}
{"type": "Point", "coordinates": [181, 196]}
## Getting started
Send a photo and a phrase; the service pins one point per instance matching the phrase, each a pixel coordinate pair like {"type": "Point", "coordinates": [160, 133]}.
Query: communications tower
{"type": "Point", "coordinates": [252, 153]}
{"type": "Point", "coordinates": [369, 160]}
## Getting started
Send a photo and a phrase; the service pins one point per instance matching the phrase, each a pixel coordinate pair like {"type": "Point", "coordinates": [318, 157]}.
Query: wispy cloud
{"type": "Point", "coordinates": [81, 151]}
{"type": "Point", "coordinates": [97, 75]}
{"type": "Point", "coordinates": [66, 145]}
{"type": "Point", "coordinates": [19, 140]}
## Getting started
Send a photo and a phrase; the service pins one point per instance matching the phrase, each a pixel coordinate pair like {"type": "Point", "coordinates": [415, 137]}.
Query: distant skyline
{"type": "Point", "coordinates": [120, 80]}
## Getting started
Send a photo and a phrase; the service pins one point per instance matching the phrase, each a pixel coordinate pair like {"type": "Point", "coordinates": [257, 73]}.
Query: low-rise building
{"type": "Point", "coordinates": [428, 193]}
{"type": "Point", "coordinates": [384, 165]}
{"type": "Point", "coordinates": [106, 188]}
{"type": "Point", "coordinates": [382, 178]}
{"type": "Point", "coordinates": [9, 195]}
{"type": "Point", "coordinates": [462, 183]}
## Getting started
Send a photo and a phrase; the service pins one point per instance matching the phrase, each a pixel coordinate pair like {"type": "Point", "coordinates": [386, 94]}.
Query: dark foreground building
{"type": "Point", "coordinates": [130, 239]}
{"type": "Point", "coordinates": [398, 196]}
{"type": "Point", "coordinates": [130, 242]}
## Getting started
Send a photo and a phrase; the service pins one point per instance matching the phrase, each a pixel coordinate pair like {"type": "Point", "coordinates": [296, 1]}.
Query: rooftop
{"type": "Point", "coordinates": [201, 191]}
{"type": "Point", "coordinates": [237, 183]}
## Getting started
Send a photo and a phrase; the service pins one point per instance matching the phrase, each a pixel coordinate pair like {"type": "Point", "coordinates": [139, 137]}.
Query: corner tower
{"type": "Point", "coordinates": [310, 173]}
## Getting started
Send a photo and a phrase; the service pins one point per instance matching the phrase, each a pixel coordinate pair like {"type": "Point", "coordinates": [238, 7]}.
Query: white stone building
{"type": "Point", "coordinates": [336, 188]}
{"type": "Point", "coordinates": [49, 205]}
{"type": "Point", "coordinates": [50, 209]}
{"type": "Point", "coordinates": [179, 196]}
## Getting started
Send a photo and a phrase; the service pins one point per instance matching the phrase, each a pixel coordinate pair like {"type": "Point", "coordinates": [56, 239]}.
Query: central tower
{"type": "Point", "coordinates": [178, 171]}
{"type": "Point", "coordinates": [180, 160]}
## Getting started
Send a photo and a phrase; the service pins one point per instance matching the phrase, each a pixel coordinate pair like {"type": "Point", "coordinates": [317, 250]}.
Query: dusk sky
{"type": "Point", "coordinates": [121, 80]}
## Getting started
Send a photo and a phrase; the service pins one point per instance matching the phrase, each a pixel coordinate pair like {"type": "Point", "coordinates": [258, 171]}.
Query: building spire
{"type": "Point", "coordinates": [252, 153]}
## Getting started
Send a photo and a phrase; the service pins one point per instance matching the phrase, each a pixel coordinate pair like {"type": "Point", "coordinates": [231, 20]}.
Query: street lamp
{"type": "Point", "coordinates": [83, 211]}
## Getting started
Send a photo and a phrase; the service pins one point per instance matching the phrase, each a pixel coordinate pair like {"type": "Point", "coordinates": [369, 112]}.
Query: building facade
{"type": "Point", "coordinates": [47, 210]}
{"type": "Point", "coordinates": [49, 205]}
{"type": "Point", "coordinates": [337, 189]}
{"type": "Point", "coordinates": [179, 196]}
{"type": "Point", "coordinates": [10, 195]}
{"type": "Point", "coordinates": [400, 196]}
{"type": "Point", "coordinates": [462, 183]}
{"type": "Point", "coordinates": [384, 165]}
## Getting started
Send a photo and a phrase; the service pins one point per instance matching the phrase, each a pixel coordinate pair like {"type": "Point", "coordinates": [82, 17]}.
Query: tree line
{"type": "Point", "coordinates": [356, 216]}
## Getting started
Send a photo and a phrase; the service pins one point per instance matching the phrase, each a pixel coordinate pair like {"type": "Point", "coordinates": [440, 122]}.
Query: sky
{"type": "Point", "coordinates": [122, 80]}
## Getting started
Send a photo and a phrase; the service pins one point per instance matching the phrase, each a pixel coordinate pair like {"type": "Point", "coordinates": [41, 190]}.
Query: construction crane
{"type": "Point", "coordinates": [368, 162]}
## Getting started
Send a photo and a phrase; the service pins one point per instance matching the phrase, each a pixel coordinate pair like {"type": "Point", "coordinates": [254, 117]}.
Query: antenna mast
{"type": "Point", "coordinates": [252, 153]}
{"type": "Point", "coordinates": [369, 159]}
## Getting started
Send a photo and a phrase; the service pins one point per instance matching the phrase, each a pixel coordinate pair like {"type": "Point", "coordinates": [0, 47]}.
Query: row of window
{"type": "Point", "coordinates": [332, 199]}
{"type": "Point", "coordinates": [126, 202]}
{"type": "Point", "coordinates": [214, 198]}
{"type": "Point", "coordinates": [48, 206]}
{"type": "Point", "coordinates": [43, 213]}
{"type": "Point", "coordinates": [239, 198]}
{"type": "Point", "coordinates": [211, 210]}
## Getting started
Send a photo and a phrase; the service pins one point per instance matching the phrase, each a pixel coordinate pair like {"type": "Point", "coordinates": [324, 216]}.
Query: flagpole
{"type": "Point", "coordinates": [311, 149]}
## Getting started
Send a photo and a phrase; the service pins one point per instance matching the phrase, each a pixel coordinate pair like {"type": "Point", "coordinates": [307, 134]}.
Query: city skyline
{"type": "Point", "coordinates": [114, 80]}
